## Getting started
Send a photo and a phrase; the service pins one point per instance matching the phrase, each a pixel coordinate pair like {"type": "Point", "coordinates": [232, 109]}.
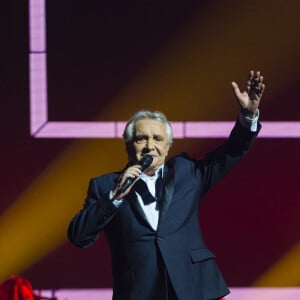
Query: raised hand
{"type": "Point", "coordinates": [249, 100]}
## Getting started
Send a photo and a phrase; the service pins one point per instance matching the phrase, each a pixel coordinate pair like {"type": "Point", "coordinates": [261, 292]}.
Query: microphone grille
{"type": "Point", "coordinates": [145, 162]}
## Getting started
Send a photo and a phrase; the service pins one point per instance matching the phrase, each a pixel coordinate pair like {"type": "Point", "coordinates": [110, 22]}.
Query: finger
{"type": "Point", "coordinates": [249, 85]}
{"type": "Point", "coordinates": [261, 90]}
{"type": "Point", "coordinates": [259, 82]}
{"type": "Point", "coordinates": [251, 75]}
{"type": "Point", "coordinates": [133, 173]}
{"type": "Point", "coordinates": [235, 87]}
{"type": "Point", "coordinates": [261, 79]}
{"type": "Point", "coordinates": [255, 82]}
{"type": "Point", "coordinates": [251, 82]}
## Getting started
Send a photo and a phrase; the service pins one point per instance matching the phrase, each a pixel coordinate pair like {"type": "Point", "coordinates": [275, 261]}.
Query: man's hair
{"type": "Point", "coordinates": [128, 133]}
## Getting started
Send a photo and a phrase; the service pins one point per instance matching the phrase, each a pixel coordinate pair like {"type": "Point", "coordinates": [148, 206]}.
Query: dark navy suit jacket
{"type": "Point", "coordinates": [142, 257]}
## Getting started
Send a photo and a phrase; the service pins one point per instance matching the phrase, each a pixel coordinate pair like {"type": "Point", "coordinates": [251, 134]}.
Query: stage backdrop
{"type": "Point", "coordinates": [99, 61]}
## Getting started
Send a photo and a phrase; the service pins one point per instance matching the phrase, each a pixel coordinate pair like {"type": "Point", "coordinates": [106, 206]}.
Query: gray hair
{"type": "Point", "coordinates": [128, 133]}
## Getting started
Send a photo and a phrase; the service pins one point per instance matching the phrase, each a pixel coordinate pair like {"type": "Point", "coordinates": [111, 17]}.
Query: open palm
{"type": "Point", "coordinates": [249, 100]}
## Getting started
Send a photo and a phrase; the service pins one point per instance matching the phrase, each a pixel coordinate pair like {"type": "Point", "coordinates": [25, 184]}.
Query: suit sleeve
{"type": "Point", "coordinates": [84, 229]}
{"type": "Point", "coordinates": [220, 161]}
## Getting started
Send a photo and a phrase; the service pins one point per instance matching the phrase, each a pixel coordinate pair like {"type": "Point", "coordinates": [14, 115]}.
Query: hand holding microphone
{"type": "Point", "coordinates": [130, 176]}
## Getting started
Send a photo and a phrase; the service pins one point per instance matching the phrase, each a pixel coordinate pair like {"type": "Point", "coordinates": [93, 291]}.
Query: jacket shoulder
{"type": "Point", "coordinates": [181, 160]}
{"type": "Point", "coordinates": [182, 157]}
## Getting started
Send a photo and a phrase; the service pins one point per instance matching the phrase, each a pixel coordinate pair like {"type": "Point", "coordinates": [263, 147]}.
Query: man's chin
{"type": "Point", "coordinates": [150, 171]}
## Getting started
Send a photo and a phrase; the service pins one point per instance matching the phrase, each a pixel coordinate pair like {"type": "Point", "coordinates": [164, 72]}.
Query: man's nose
{"type": "Point", "coordinates": [150, 144]}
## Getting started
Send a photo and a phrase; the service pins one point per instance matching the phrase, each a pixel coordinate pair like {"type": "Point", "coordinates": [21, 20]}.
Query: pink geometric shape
{"type": "Point", "coordinates": [40, 127]}
{"type": "Point", "coordinates": [243, 293]}
{"type": "Point", "coordinates": [37, 28]}
{"type": "Point", "coordinates": [38, 92]}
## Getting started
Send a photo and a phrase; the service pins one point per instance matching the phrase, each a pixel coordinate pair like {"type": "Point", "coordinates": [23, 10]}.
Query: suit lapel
{"type": "Point", "coordinates": [168, 189]}
{"type": "Point", "coordinates": [136, 208]}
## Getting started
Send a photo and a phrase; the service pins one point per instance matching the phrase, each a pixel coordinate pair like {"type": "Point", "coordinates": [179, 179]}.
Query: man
{"type": "Point", "coordinates": [157, 249]}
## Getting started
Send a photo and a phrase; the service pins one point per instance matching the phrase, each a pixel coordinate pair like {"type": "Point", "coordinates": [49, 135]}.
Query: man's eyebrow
{"type": "Point", "coordinates": [141, 135]}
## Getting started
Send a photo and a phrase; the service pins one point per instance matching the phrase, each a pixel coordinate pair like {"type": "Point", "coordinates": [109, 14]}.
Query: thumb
{"type": "Point", "coordinates": [235, 87]}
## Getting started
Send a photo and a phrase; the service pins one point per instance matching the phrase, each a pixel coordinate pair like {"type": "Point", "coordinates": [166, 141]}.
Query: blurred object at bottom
{"type": "Point", "coordinates": [19, 288]}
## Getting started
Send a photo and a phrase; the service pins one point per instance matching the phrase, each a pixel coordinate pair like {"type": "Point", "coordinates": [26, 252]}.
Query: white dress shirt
{"type": "Point", "coordinates": [151, 210]}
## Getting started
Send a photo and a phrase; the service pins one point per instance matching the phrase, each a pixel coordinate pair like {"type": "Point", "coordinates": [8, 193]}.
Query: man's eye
{"type": "Point", "coordinates": [158, 138]}
{"type": "Point", "coordinates": [140, 138]}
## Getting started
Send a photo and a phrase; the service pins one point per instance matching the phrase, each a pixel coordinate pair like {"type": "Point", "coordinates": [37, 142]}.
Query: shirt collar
{"type": "Point", "coordinates": [155, 176]}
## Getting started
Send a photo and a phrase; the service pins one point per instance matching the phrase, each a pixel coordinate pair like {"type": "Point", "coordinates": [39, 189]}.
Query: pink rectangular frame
{"type": "Point", "coordinates": [40, 127]}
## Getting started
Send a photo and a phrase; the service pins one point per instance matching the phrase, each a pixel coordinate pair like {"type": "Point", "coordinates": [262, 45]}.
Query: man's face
{"type": "Point", "coordinates": [150, 137]}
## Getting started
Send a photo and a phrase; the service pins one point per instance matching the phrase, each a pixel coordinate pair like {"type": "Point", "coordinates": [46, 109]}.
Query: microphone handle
{"type": "Point", "coordinates": [126, 185]}
{"type": "Point", "coordinates": [145, 162]}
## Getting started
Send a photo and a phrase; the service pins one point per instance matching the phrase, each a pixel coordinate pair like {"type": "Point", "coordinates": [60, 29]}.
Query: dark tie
{"type": "Point", "coordinates": [141, 187]}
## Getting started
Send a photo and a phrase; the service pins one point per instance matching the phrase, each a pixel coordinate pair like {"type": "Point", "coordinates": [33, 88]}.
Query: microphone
{"type": "Point", "coordinates": [145, 162]}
